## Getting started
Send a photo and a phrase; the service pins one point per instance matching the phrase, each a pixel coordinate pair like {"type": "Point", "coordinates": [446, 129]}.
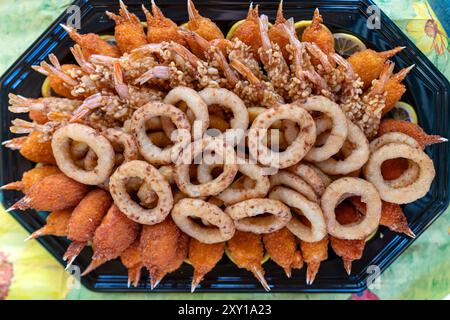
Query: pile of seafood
{"type": "Point", "coordinates": [295, 152]}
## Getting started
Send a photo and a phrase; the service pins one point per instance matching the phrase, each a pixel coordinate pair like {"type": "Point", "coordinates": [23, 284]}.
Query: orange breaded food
{"type": "Point", "coordinates": [369, 64]}
{"type": "Point", "coordinates": [37, 150]}
{"type": "Point", "coordinates": [393, 168]}
{"type": "Point", "coordinates": [318, 34]}
{"type": "Point", "coordinates": [163, 248]}
{"type": "Point", "coordinates": [248, 31]}
{"type": "Point", "coordinates": [313, 254]}
{"type": "Point", "coordinates": [91, 43]}
{"type": "Point", "coordinates": [132, 260]}
{"type": "Point", "coordinates": [129, 32]}
{"type": "Point", "coordinates": [206, 28]}
{"type": "Point", "coordinates": [57, 223]}
{"type": "Point", "coordinates": [277, 34]}
{"type": "Point", "coordinates": [114, 235]}
{"type": "Point", "coordinates": [60, 87]}
{"type": "Point", "coordinates": [281, 245]}
{"type": "Point", "coordinates": [395, 89]}
{"type": "Point", "coordinates": [203, 258]}
{"type": "Point", "coordinates": [411, 129]}
{"type": "Point", "coordinates": [160, 28]}
{"type": "Point", "coordinates": [31, 177]}
{"type": "Point", "coordinates": [247, 252]}
{"type": "Point", "coordinates": [53, 193]}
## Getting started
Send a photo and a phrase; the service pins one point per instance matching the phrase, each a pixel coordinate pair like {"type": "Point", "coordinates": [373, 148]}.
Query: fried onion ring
{"type": "Point", "coordinates": [410, 193]}
{"type": "Point", "coordinates": [150, 176]}
{"type": "Point", "coordinates": [339, 128]}
{"type": "Point", "coordinates": [345, 187]}
{"type": "Point", "coordinates": [213, 187]}
{"type": "Point", "coordinates": [213, 215]}
{"type": "Point", "coordinates": [310, 210]}
{"type": "Point", "coordinates": [61, 143]}
{"type": "Point", "coordinates": [296, 150]}
{"type": "Point", "coordinates": [147, 148]}
{"type": "Point", "coordinates": [245, 215]}
{"type": "Point", "coordinates": [355, 160]}
{"type": "Point", "coordinates": [194, 102]}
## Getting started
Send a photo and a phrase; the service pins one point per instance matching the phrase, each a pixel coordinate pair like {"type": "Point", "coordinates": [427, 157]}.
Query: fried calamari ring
{"type": "Point", "coordinates": [342, 188]}
{"type": "Point", "coordinates": [194, 102]}
{"type": "Point", "coordinates": [312, 175]}
{"type": "Point", "coordinates": [355, 160]}
{"type": "Point", "coordinates": [413, 170]}
{"type": "Point", "coordinates": [150, 176]}
{"type": "Point", "coordinates": [296, 150]}
{"type": "Point", "coordinates": [99, 144]}
{"type": "Point", "coordinates": [294, 182]}
{"type": "Point", "coordinates": [186, 209]}
{"type": "Point", "coordinates": [213, 187]}
{"type": "Point", "coordinates": [410, 193]}
{"type": "Point", "coordinates": [124, 142]}
{"type": "Point", "coordinates": [339, 129]}
{"type": "Point", "coordinates": [147, 148]}
{"type": "Point", "coordinates": [245, 215]}
{"type": "Point", "coordinates": [309, 209]}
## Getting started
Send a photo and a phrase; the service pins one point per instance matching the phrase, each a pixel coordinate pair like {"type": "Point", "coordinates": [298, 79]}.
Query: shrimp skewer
{"type": "Point", "coordinates": [85, 219]}
{"type": "Point", "coordinates": [114, 235]}
{"type": "Point", "coordinates": [204, 258]}
{"type": "Point", "coordinates": [246, 250]}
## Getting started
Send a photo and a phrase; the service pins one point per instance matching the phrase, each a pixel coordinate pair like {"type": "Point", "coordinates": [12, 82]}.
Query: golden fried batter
{"type": "Point", "coordinates": [278, 35]}
{"type": "Point", "coordinates": [132, 260]}
{"type": "Point", "coordinates": [204, 258]}
{"type": "Point", "coordinates": [57, 225]}
{"type": "Point", "coordinates": [163, 248]}
{"type": "Point", "coordinates": [36, 150]}
{"type": "Point", "coordinates": [282, 248]}
{"type": "Point", "coordinates": [201, 25]}
{"type": "Point", "coordinates": [318, 34]}
{"type": "Point", "coordinates": [395, 89]}
{"type": "Point", "coordinates": [59, 87]}
{"type": "Point", "coordinates": [248, 31]}
{"type": "Point", "coordinates": [55, 192]}
{"type": "Point", "coordinates": [313, 254]}
{"type": "Point", "coordinates": [31, 177]}
{"type": "Point", "coordinates": [114, 235]}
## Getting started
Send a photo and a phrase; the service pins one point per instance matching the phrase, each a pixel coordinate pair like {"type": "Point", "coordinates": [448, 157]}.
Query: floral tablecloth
{"type": "Point", "coordinates": [28, 271]}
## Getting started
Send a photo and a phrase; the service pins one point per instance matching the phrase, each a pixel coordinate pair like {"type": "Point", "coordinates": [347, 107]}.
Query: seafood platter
{"type": "Point", "coordinates": [224, 147]}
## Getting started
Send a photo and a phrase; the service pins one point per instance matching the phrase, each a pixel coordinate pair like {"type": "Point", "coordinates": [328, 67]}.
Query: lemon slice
{"type": "Point", "coordinates": [109, 38]}
{"type": "Point", "coordinates": [404, 111]}
{"type": "Point", "coordinates": [188, 261]}
{"type": "Point", "coordinates": [264, 260]}
{"type": "Point", "coordinates": [46, 90]}
{"type": "Point", "coordinates": [300, 26]}
{"type": "Point", "coordinates": [183, 25]}
{"type": "Point", "coordinates": [233, 28]}
{"type": "Point", "coordinates": [347, 44]}
{"type": "Point", "coordinates": [370, 237]}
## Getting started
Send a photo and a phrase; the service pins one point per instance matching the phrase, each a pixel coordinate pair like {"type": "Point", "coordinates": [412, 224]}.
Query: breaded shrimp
{"type": "Point", "coordinates": [318, 34]}
{"type": "Point", "coordinates": [160, 28]}
{"type": "Point", "coordinates": [91, 43]}
{"type": "Point", "coordinates": [132, 260]}
{"type": "Point", "coordinates": [206, 28]}
{"type": "Point", "coordinates": [129, 31]}
{"type": "Point", "coordinates": [86, 217]}
{"type": "Point", "coordinates": [411, 129]}
{"type": "Point", "coordinates": [277, 33]}
{"type": "Point", "coordinates": [57, 224]}
{"type": "Point", "coordinates": [247, 251]}
{"type": "Point", "coordinates": [313, 254]}
{"type": "Point", "coordinates": [31, 177]}
{"type": "Point", "coordinates": [114, 235]}
{"type": "Point", "coordinates": [204, 258]}
{"type": "Point", "coordinates": [392, 216]}
{"type": "Point", "coordinates": [34, 148]}
{"type": "Point", "coordinates": [163, 248]}
{"type": "Point", "coordinates": [369, 64]}
{"type": "Point", "coordinates": [281, 245]}
{"type": "Point", "coordinates": [248, 31]}
{"type": "Point", "coordinates": [395, 89]}
{"type": "Point", "coordinates": [348, 250]}
{"type": "Point", "coordinates": [53, 193]}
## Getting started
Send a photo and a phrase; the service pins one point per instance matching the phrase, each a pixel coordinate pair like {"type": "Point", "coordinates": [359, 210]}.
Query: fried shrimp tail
{"type": "Point", "coordinates": [57, 224]}
{"type": "Point", "coordinates": [201, 25]}
{"type": "Point", "coordinates": [248, 31]}
{"type": "Point", "coordinates": [313, 254]}
{"type": "Point", "coordinates": [395, 89]}
{"type": "Point", "coordinates": [132, 260]}
{"type": "Point", "coordinates": [204, 258]}
{"type": "Point", "coordinates": [30, 178]}
{"type": "Point", "coordinates": [319, 35]}
{"type": "Point", "coordinates": [246, 250]}
{"type": "Point", "coordinates": [114, 235]}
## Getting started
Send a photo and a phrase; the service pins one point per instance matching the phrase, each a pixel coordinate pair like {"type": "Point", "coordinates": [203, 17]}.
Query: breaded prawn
{"type": "Point", "coordinates": [318, 34]}
{"type": "Point", "coordinates": [57, 224]}
{"type": "Point", "coordinates": [313, 254]}
{"type": "Point", "coordinates": [31, 177]}
{"type": "Point", "coordinates": [131, 258]}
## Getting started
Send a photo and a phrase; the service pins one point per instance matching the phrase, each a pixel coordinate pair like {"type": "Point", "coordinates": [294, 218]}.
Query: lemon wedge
{"type": "Point", "coordinates": [404, 111]}
{"type": "Point", "coordinates": [46, 90]}
{"type": "Point", "coordinates": [347, 44]}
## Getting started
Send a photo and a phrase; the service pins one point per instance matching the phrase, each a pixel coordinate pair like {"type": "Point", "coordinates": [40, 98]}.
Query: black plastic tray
{"type": "Point", "coordinates": [428, 90]}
